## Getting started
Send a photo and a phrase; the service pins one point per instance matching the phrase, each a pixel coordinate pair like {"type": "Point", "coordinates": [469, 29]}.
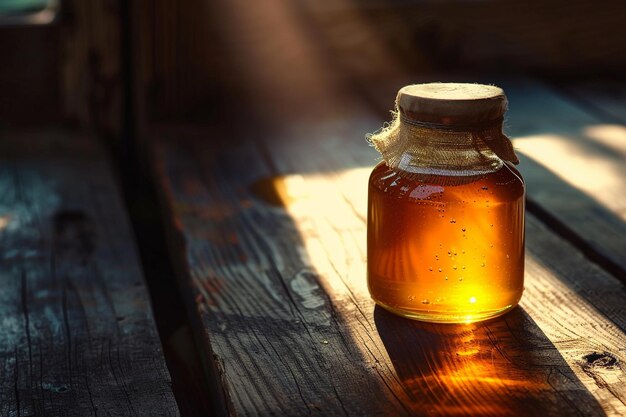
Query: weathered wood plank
{"type": "Point", "coordinates": [605, 98]}
{"type": "Point", "coordinates": [334, 152]}
{"type": "Point", "coordinates": [273, 264]}
{"type": "Point", "coordinates": [575, 167]}
{"type": "Point", "coordinates": [77, 333]}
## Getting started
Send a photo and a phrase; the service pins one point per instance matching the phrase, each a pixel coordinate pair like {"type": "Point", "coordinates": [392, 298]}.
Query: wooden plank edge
{"type": "Point", "coordinates": [221, 403]}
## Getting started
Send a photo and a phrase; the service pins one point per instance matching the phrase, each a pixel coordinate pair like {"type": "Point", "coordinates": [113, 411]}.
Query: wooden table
{"type": "Point", "coordinates": [267, 226]}
{"type": "Point", "coordinates": [267, 220]}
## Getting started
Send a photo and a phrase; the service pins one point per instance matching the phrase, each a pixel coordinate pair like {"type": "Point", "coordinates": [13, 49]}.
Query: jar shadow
{"type": "Point", "coordinates": [503, 366]}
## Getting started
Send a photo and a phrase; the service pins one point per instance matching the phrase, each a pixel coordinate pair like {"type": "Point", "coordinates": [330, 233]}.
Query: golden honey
{"type": "Point", "coordinates": [446, 253]}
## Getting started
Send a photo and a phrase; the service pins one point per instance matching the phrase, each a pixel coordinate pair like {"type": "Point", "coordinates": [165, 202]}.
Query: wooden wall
{"type": "Point", "coordinates": [91, 78]}
{"type": "Point", "coordinates": [67, 72]}
{"type": "Point", "coordinates": [191, 56]}
{"type": "Point", "coordinates": [175, 58]}
{"type": "Point", "coordinates": [575, 36]}
{"type": "Point", "coordinates": [29, 73]}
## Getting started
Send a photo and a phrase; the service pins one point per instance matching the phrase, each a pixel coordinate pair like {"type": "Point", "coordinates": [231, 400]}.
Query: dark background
{"type": "Point", "coordinates": [111, 65]}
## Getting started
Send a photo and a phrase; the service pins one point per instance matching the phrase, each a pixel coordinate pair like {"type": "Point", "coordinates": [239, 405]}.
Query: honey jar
{"type": "Point", "coordinates": [445, 226]}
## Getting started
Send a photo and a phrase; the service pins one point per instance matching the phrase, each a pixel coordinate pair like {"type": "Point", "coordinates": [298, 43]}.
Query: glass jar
{"type": "Point", "coordinates": [445, 227]}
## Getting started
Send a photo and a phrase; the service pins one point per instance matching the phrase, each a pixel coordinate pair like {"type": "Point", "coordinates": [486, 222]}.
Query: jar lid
{"type": "Point", "coordinates": [452, 103]}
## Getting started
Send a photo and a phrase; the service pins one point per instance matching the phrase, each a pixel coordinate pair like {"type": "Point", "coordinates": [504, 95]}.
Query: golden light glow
{"type": "Point", "coordinates": [4, 221]}
{"type": "Point", "coordinates": [588, 167]}
{"type": "Point", "coordinates": [612, 136]}
{"type": "Point", "coordinates": [328, 224]}
{"type": "Point", "coordinates": [469, 352]}
{"type": "Point", "coordinates": [288, 68]}
{"type": "Point", "coordinates": [329, 212]}
{"type": "Point", "coordinates": [471, 374]}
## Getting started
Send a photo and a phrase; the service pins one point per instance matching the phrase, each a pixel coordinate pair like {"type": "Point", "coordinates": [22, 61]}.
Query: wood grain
{"type": "Point", "coordinates": [575, 166]}
{"type": "Point", "coordinates": [77, 333]}
{"type": "Point", "coordinates": [271, 244]}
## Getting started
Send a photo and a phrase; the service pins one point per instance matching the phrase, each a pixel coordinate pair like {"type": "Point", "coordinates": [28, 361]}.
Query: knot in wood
{"type": "Point", "coordinates": [600, 360]}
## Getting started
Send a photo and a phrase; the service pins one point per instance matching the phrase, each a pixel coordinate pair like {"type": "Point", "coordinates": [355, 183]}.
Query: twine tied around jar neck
{"type": "Point", "coordinates": [444, 127]}
{"type": "Point", "coordinates": [490, 124]}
